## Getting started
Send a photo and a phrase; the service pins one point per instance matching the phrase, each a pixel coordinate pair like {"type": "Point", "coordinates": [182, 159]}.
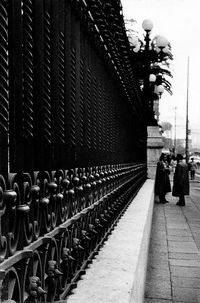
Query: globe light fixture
{"type": "Point", "coordinates": [137, 48]}
{"type": "Point", "coordinates": [147, 25]}
{"type": "Point", "coordinates": [152, 78]}
{"type": "Point", "coordinates": [160, 89]}
{"type": "Point", "coordinates": [134, 41]}
{"type": "Point", "coordinates": [161, 42]}
{"type": "Point", "coordinates": [149, 57]}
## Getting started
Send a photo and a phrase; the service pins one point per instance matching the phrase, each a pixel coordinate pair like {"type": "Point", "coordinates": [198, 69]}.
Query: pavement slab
{"type": "Point", "coordinates": [187, 295]}
{"type": "Point", "coordinates": [180, 282]}
{"type": "Point", "coordinates": [184, 263]}
{"type": "Point", "coordinates": [187, 247]}
{"type": "Point", "coordinates": [173, 272]}
{"type": "Point", "coordinates": [180, 238]}
{"type": "Point", "coordinates": [181, 271]}
{"type": "Point", "coordinates": [184, 256]}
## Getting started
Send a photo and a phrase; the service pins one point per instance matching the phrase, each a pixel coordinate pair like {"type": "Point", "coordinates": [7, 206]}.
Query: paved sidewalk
{"type": "Point", "coordinates": [173, 274]}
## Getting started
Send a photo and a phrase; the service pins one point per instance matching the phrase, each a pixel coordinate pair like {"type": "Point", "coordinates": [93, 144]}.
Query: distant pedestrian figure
{"type": "Point", "coordinates": [162, 182]}
{"type": "Point", "coordinates": [192, 168]}
{"type": "Point", "coordinates": [181, 181]}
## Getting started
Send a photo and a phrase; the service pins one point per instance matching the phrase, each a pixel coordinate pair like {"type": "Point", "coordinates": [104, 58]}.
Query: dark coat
{"type": "Point", "coordinates": [162, 182]}
{"type": "Point", "coordinates": [181, 180]}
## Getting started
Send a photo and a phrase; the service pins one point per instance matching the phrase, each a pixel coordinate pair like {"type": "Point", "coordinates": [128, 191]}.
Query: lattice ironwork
{"type": "Point", "coordinates": [46, 98]}
{"type": "Point", "coordinates": [28, 65]}
{"type": "Point", "coordinates": [71, 125]}
{"type": "Point", "coordinates": [61, 222]}
{"type": "Point", "coordinates": [61, 123]}
{"type": "Point", "coordinates": [4, 87]}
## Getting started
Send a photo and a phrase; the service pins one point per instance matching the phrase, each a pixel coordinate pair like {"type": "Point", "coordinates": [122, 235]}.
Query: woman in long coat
{"type": "Point", "coordinates": [181, 181]}
{"type": "Point", "coordinates": [162, 182]}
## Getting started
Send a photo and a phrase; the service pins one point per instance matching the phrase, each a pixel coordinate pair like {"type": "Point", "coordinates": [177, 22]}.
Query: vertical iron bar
{"type": "Point", "coordinates": [69, 158]}
{"type": "Point", "coordinates": [40, 158]}
{"type": "Point", "coordinates": [4, 96]}
{"type": "Point", "coordinates": [28, 83]}
{"type": "Point", "coordinates": [15, 84]}
{"type": "Point", "coordinates": [76, 45]}
{"type": "Point", "coordinates": [55, 83]}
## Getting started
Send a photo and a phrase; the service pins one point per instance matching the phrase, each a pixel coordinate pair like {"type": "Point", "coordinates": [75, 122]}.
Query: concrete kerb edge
{"type": "Point", "coordinates": [118, 273]}
{"type": "Point", "coordinates": [139, 281]}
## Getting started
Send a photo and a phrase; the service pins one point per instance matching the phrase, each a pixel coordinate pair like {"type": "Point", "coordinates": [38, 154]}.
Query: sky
{"type": "Point", "coordinates": [178, 21]}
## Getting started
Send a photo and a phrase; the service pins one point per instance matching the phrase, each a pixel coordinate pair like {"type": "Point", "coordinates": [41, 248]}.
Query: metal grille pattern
{"type": "Point", "coordinates": [88, 111]}
{"type": "Point", "coordinates": [61, 122]}
{"type": "Point", "coordinates": [62, 87]}
{"type": "Point", "coordinates": [94, 113]}
{"type": "Point", "coordinates": [4, 68]}
{"type": "Point", "coordinates": [47, 131]}
{"type": "Point", "coordinates": [72, 99]}
{"type": "Point", "coordinates": [71, 115]}
{"type": "Point", "coordinates": [4, 87]}
{"type": "Point", "coordinates": [63, 219]}
{"type": "Point", "coordinates": [81, 103]}
{"type": "Point", "coordinates": [28, 76]}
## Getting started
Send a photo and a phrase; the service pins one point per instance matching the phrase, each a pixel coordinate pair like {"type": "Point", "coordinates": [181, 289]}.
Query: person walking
{"type": "Point", "coordinates": [192, 167]}
{"type": "Point", "coordinates": [181, 181]}
{"type": "Point", "coordinates": [162, 182]}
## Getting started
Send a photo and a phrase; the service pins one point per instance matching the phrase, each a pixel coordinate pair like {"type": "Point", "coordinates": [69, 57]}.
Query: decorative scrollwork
{"type": "Point", "coordinates": [76, 250]}
{"type": "Point", "coordinates": [66, 258]}
{"type": "Point", "coordinates": [95, 197]}
{"type": "Point", "coordinates": [54, 216]}
{"type": "Point", "coordinates": [35, 290]}
{"type": "Point", "coordinates": [33, 279]}
{"type": "Point", "coordinates": [13, 197]}
{"type": "Point", "coordinates": [60, 197]}
{"type": "Point", "coordinates": [27, 208]}
{"type": "Point", "coordinates": [11, 290]}
{"type": "Point", "coordinates": [43, 179]}
{"type": "Point", "coordinates": [52, 272]}
{"type": "Point", "coordinates": [3, 231]}
{"type": "Point", "coordinates": [35, 214]}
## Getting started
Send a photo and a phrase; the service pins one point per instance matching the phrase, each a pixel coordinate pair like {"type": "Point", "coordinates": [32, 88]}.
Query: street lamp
{"type": "Point", "coordinates": [160, 89]}
{"type": "Point", "coordinates": [152, 78]}
{"type": "Point", "coordinates": [150, 63]}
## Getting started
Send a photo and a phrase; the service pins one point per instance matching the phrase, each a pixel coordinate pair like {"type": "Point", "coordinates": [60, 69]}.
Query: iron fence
{"type": "Point", "coordinates": [72, 140]}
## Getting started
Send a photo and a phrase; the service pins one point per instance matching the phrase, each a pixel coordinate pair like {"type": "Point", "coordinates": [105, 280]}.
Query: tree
{"type": "Point", "coordinates": [168, 142]}
{"type": "Point", "coordinates": [166, 126]}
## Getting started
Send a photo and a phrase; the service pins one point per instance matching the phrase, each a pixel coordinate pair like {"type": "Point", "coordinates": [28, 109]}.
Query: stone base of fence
{"type": "Point", "coordinates": [154, 149]}
{"type": "Point", "coordinates": [118, 273]}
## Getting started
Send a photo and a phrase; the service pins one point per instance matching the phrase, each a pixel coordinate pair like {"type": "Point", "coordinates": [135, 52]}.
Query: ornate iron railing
{"type": "Point", "coordinates": [53, 223]}
{"type": "Point", "coordinates": [72, 140]}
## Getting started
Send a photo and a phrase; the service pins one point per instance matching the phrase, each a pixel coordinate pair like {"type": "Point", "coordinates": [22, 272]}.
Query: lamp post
{"type": "Point", "coordinates": [175, 108]}
{"type": "Point", "coordinates": [148, 58]}
{"type": "Point", "coordinates": [149, 64]}
{"type": "Point", "coordinates": [187, 121]}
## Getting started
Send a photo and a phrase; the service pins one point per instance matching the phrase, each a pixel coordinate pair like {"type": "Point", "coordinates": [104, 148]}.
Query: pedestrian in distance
{"type": "Point", "coordinates": [181, 181]}
{"type": "Point", "coordinates": [192, 168]}
{"type": "Point", "coordinates": [162, 182]}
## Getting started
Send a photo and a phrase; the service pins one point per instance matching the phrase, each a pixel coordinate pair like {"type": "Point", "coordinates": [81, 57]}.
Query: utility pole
{"type": "Point", "coordinates": [175, 129]}
{"type": "Point", "coordinates": [187, 122]}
